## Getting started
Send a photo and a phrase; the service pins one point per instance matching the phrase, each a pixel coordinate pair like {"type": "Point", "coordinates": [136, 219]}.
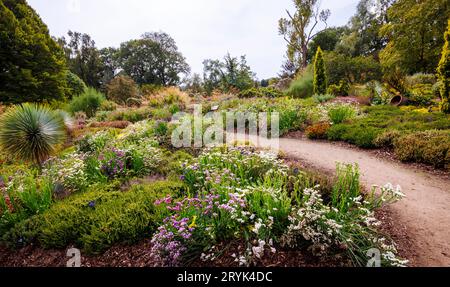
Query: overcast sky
{"type": "Point", "coordinates": [202, 28]}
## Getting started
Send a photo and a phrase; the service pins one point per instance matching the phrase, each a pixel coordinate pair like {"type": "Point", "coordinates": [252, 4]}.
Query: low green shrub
{"type": "Point", "coordinates": [387, 139]}
{"type": "Point", "coordinates": [362, 136]}
{"type": "Point", "coordinates": [320, 99]}
{"type": "Point", "coordinates": [339, 90]}
{"type": "Point", "coordinates": [97, 219]}
{"type": "Point", "coordinates": [89, 102]}
{"type": "Point", "coordinates": [302, 87]}
{"type": "Point", "coordinates": [421, 95]}
{"type": "Point", "coordinates": [429, 147]}
{"type": "Point", "coordinates": [108, 106]}
{"type": "Point", "coordinates": [341, 113]}
{"type": "Point", "coordinates": [260, 92]}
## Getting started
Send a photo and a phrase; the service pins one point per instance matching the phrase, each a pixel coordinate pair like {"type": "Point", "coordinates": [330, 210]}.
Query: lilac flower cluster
{"type": "Point", "coordinates": [113, 163]}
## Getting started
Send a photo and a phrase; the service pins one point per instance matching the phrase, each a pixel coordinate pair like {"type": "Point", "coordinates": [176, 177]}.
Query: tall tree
{"type": "Point", "coordinates": [444, 72]}
{"type": "Point", "coordinates": [300, 28]}
{"type": "Point", "coordinates": [363, 36]}
{"type": "Point", "coordinates": [32, 65]}
{"type": "Point", "coordinates": [415, 30]}
{"type": "Point", "coordinates": [320, 78]}
{"type": "Point", "coordinates": [231, 73]}
{"type": "Point", "coordinates": [83, 58]}
{"type": "Point", "coordinates": [326, 40]}
{"type": "Point", "coordinates": [153, 59]}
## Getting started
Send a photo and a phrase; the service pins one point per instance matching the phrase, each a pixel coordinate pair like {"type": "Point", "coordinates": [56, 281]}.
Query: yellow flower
{"type": "Point", "coordinates": [193, 225]}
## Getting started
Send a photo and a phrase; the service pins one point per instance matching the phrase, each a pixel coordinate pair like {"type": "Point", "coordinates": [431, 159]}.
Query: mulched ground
{"type": "Point", "coordinates": [138, 256]}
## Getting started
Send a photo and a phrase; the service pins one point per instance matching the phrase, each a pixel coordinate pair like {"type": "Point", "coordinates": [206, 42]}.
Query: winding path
{"type": "Point", "coordinates": [425, 211]}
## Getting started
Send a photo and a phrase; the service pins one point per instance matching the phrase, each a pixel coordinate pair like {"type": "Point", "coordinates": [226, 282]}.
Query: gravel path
{"type": "Point", "coordinates": [425, 211]}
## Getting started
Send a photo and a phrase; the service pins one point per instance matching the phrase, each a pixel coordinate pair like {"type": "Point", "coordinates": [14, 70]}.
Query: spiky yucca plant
{"type": "Point", "coordinates": [31, 132]}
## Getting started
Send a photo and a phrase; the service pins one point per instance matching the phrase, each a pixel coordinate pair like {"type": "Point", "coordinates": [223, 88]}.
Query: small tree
{"type": "Point", "coordinates": [123, 90]}
{"type": "Point", "coordinates": [444, 72]}
{"type": "Point", "coordinates": [320, 78]}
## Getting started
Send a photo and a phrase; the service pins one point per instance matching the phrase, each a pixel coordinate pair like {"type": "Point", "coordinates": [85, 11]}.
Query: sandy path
{"type": "Point", "coordinates": [425, 211]}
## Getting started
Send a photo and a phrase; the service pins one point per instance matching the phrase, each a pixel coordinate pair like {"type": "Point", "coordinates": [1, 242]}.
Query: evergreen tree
{"type": "Point", "coordinates": [32, 64]}
{"type": "Point", "coordinates": [320, 79]}
{"type": "Point", "coordinates": [444, 72]}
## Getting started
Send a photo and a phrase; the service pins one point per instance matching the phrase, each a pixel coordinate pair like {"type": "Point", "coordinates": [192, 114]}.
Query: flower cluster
{"type": "Point", "coordinates": [68, 171]}
{"type": "Point", "coordinates": [113, 163]}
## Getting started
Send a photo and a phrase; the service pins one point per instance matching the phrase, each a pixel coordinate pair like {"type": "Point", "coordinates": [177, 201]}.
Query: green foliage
{"type": "Point", "coordinates": [298, 29]}
{"type": "Point", "coordinates": [366, 131]}
{"type": "Point", "coordinates": [108, 106]}
{"type": "Point", "coordinates": [31, 132]}
{"type": "Point", "coordinates": [320, 78]}
{"type": "Point", "coordinates": [228, 75]}
{"type": "Point", "coordinates": [302, 86]}
{"type": "Point", "coordinates": [153, 59]}
{"type": "Point", "coordinates": [421, 95]}
{"type": "Point", "coordinates": [320, 99]}
{"type": "Point", "coordinates": [388, 138]}
{"type": "Point", "coordinates": [341, 113]}
{"type": "Point", "coordinates": [414, 34]}
{"type": "Point", "coordinates": [420, 79]}
{"type": "Point", "coordinates": [83, 58]}
{"type": "Point", "coordinates": [24, 195]}
{"type": "Point", "coordinates": [98, 218]}
{"type": "Point", "coordinates": [359, 69]}
{"type": "Point", "coordinates": [75, 85]}
{"type": "Point", "coordinates": [339, 90]}
{"type": "Point", "coordinates": [444, 73]}
{"type": "Point", "coordinates": [123, 90]}
{"type": "Point", "coordinates": [361, 136]}
{"type": "Point", "coordinates": [430, 147]}
{"type": "Point", "coordinates": [346, 187]}
{"type": "Point", "coordinates": [260, 92]}
{"type": "Point", "coordinates": [89, 102]}
{"type": "Point", "coordinates": [32, 64]}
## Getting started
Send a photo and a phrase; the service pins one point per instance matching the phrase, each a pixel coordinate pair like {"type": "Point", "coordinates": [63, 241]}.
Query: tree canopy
{"type": "Point", "coordinates": [414, 31]}
{"type": "Point", "coordinates": [32, 68]}
{"type": "Point", "coordinates": [153, 59]}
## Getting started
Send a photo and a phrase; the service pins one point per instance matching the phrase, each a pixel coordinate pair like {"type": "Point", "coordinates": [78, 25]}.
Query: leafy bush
{"type": "Point", "coordinates": [97, 219]}
{"type": "Point", "coordinates": [31, 132]}
{"type": "Point", "coordinates": [22, 196]}
{"type": "Point", "coordinates": [320, 99]}
{"type": "Point", "coordinates": [260, 92]}
{"type": "Point", "coordinates": [318, 131]}
{"type": "Point", "coordinates": [388, 138]}
{"type": "Point", "coordinates": [420, 79]}
{"type": "Point", "coordinates": [108, 106]}
{"type": "Point", "coordinates": [89, 102]}
{"type": "Point", "coordinates": [339, 90]}
{"type": "Point", "coordinates": [134, 115]}
{"type": "Point", "coordinates": [430, 147]}
{"type": "Point", "coordinates": [123, 90]}
{"type": "Point", "coordinates": [302, 86]}
{"type": "Point", "coordinates": [361, 136]}
{"type": "Point", "coordinates": [341, 113]}
{"type": "Point", "coordinates": [75, 85]}
{"type": "Point", "coordinates": [421, 95]}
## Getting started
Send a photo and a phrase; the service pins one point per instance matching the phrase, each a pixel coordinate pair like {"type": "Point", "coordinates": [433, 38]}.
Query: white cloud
{"type": "Point", "coordinates": [202, 28]}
